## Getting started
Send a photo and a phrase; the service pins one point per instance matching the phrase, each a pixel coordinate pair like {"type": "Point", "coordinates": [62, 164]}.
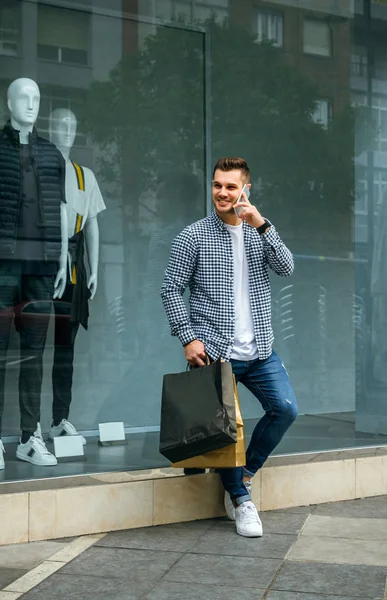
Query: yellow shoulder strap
{"type": "Point", "coordinates": [80, 176]}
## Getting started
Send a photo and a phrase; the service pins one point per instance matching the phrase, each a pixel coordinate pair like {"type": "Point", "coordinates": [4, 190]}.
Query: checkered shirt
{"type": "Point", "coordinates": [202, 259]}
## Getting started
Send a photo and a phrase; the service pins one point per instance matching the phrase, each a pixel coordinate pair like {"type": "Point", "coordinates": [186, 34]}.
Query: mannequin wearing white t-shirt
{"type": "Point", "coordinates": [84, 202]}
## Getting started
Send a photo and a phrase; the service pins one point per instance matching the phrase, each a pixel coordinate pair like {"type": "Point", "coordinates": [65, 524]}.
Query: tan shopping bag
{"type": "Point", "coordinates": [233, 455]}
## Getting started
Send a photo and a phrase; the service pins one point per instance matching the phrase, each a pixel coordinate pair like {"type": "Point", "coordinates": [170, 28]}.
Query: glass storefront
{"type": "Point", "coordinates": [140, 98]}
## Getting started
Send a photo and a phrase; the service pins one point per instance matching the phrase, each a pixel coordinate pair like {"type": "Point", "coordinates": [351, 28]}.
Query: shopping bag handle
{"type": "Point", "coordinates": [208, 362]}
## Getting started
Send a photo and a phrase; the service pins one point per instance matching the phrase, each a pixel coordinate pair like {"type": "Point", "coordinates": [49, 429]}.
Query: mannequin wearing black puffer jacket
{"type": "Point", "coordinates": [49, 167]}
{"type": "Point", "coordinates": [32, 191]}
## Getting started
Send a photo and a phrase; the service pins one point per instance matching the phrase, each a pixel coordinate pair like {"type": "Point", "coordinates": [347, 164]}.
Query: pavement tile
{"type": "Point", "coordinates": [296, 510]}
{"type": "Point", "coordinates": [302, 596]}
{"type": "Point", "coordinates": [133, 566]}
{"type": "Point", "coordinates": [283, 522]}
{"type": "Point", "coordinates": [223, 542]}
{"type": "Point", "coordinates": [27, 556]}
{"type": "Point", "coordinates": [167, 590]}
{"type": "Point", "coordinates": [85, 587]}
{"type": "Point", "coordinates": [34, 577]}
{"type": "Point", "coordinates": [375, 507]}
{"type": "Point", "coordinates": [203, 524]}
{"type": "Point", "coordinates": [8, 575]}
{"type": "Point", "coordinates": [223, 570]}
{"type": "Point", "coordinates": [325, 579]}
{"type": "Point", "coordinates": [346, 527]}
{"type": "Point", "coordinates": [340, 551]}
{"type": "Point", "coordinates": [154, 538]}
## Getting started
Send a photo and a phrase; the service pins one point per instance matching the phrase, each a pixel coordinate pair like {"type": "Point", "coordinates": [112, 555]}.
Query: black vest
{"type": "Point", "coordinates": [49, 166]}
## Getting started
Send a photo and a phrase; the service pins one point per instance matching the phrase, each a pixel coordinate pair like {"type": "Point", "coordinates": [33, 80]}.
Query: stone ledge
{"type": "Point", "coordinates": [72, 506]}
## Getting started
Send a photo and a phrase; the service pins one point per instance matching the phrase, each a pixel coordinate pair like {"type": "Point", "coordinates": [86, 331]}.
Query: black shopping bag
{"type": "Point", "coordinates": [197, 411]}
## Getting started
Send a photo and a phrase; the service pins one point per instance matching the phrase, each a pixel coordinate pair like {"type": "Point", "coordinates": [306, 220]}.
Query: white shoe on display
{"type": "Point", "coordinates": [38, 432]}
{"type": "Point", "coordinates": [228, 504]}
{"type": "Point", "coordinates": [35, 452]}
{"type": "Point", "coordinates": [64, 428]}
{"type": "Point", "coordinates": [247, 520]}
{"type": "Point", "coordinates": [2, 452]}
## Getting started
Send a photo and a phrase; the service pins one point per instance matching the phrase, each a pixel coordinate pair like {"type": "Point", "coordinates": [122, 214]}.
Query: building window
{"type": "Point", "coordinates": [188, 11]}
{"type": "Point", "coordinates": [63, 35]}
{"type": "Point", "coordinates": [379, 185]}
{"type": "Point", "coordinates": [378, 131]}
{"type": "Point", "coordinates": [204, 13]}
{"type": "Point", "coordinates": [317, 38]}
{"type": "Point", "coordinates": [269, 27]}
{"type": "Point", "coordinates": [322, 113]}
{"type": "Point", "coordinates": [379, 120]}
{"type": "Point", "coordinates": [359, 61]}
{"type": "Point", "coordinates": [10, 30]}
{"type": "Point", "coordinates": [58, 98]}
{"type": "Point", "coordinates": [4, 112]}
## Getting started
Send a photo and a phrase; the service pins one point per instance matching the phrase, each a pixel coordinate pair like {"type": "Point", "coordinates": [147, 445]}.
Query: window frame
{"type": "Point", "coordinates": [329, 105]}
{"type": "Point", "coordinates": [263, 11]}
{"type": "Point", "coordinates": [59, 49]}
{"type": "Point", "coordinates": [309, 19]}
{"type": "Point", "coordinates": [18, 35]}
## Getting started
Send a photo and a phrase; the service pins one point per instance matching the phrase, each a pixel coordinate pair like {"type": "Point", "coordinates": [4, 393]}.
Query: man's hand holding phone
{"type": "Point", "coordinates": [246, 211]}
{"type": "Point", "coordinates": [243, 198]}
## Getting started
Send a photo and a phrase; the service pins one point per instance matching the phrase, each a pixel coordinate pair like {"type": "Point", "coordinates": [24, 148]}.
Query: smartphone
{"type": "Point", "coordinates": [245, 190]}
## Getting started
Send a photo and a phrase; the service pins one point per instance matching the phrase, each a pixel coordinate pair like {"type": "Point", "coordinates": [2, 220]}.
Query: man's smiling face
{"type": "Point", "coordinates": [226, 187]}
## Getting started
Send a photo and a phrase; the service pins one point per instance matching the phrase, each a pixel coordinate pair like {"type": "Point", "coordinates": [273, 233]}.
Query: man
{"type": "Point", "coordinates": [225, 260]}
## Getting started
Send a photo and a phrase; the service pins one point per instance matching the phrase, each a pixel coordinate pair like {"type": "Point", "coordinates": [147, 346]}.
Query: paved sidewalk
{"type": "Point", "coordinates": [332, 551]}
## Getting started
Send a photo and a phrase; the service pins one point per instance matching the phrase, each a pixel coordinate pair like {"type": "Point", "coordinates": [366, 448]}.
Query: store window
{"type": "Point", "coordinates": [317, 38]}
{"type": "Point", "coordinates": [68, 43]}
{"type": "Point", "coordinates": [269, 27]}
{"type": "Point", "coordinates": [10, 29]}
{"type": "Point", "coordinates": [158, 107]}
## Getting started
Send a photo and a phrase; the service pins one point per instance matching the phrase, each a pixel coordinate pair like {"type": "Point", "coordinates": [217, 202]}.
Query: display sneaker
{"type": "Point", "coordinates": [64, 428]}
{"type": "Point", "coordinates": [2, 452]}
{"type": "Point", "coordinates": [228, 503]}
{"type": "Point", "coordinates": [247, 520]}
{"type": "Point", "coordinates": [35, 452]}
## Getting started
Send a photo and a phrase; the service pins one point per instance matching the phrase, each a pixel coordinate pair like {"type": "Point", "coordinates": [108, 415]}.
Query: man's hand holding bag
{"type": "Point", "coordinates": [200, 416]}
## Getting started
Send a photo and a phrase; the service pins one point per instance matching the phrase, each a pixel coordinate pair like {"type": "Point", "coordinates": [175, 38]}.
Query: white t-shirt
{"type": "Point", "coordinates": [245, 345]}
{"type": "Point", "coordinates": [83, 196]}
{"type": "Point", "coordinates": [83, 201]}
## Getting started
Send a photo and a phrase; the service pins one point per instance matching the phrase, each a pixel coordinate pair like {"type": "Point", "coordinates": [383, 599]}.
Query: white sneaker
{"type": "Point", "coordinates": [38, 432]}
{"type": "Point", "coordinates": [2, 452]}
{"type": "Point", "coordinates": [247, 520]}
{"type": "Point", "coordinates": [35, 452]}
{"type": "Point", "coordinates": [228, 504]}
{"type": "Point", "coordinates": [64, 428]}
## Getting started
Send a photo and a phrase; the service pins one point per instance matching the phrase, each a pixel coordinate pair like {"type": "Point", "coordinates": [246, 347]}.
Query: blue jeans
{"type": "Point", "coordinates": [269, 382]}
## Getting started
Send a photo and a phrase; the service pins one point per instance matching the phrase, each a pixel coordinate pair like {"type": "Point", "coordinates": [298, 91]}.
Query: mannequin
{"type": "Point", "coordinates": [84, 202]}
{"type": "Point", "coordinates": [33, 253]}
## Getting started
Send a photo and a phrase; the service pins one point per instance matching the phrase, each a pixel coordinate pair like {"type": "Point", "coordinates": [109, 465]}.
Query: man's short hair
{"type": "Point", "coordinates": [233, 163]}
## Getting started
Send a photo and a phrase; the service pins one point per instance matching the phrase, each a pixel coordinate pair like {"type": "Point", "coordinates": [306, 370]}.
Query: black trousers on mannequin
{"type": "Point", "coordinates": [28, 298]}
{"type": "Point", "coordinates": [62, 372]}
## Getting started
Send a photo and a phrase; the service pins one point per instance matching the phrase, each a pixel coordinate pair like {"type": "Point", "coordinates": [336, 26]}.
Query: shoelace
{"type": "Point", "coordinates": [38, 445]}
{"type": "Point", "coordinates": [67, 426]}
{"type": "Point", "coordinates": [249, 514]}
